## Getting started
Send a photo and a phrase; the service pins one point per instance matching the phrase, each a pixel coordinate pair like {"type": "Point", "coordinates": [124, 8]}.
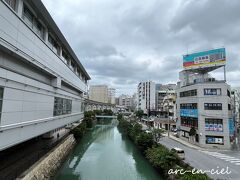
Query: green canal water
{"type": "Point", "coordinates": [104, 154]}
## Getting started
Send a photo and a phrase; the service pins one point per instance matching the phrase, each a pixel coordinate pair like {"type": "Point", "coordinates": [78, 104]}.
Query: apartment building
{"type": "Point", "coordinates": [165, 100]}
{"type": "Point", "coordinates": [42, 81]}
{"type": "Point", "coordinates": [146, 96]}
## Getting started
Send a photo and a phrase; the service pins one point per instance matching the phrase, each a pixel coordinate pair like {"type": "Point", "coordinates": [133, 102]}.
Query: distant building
{"type": "Point", "coordinates": [146, 96]}
{"type": "Point", "coordinates": [165, 101]}
{"type": "Point", "coordinates": [111, 95]}
{"type": "Point", "coordinates": [99, 93]}
{"type": "Point", "coordinates": [235, 101]}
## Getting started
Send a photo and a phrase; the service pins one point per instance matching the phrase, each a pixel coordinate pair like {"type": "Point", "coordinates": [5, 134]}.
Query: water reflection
{"type": "Point", "coordinates": [105, 154]}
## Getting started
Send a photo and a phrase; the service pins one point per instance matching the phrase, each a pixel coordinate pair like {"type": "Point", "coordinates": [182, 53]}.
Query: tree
{"type": "Point", "coordinates": [135, 131]}
{"type": "Point", "coordinates": [144, 141]}
{"type": "Point", "coordinates": [157, 134]}
{"type": "Point", "coordinates": [139, 113]}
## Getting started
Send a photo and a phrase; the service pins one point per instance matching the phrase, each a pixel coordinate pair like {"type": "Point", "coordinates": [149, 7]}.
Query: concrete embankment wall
{"type": "Point", "coordinates": [47, 166]}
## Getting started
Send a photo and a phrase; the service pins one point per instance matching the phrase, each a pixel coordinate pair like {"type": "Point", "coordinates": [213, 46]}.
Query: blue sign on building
{"type": "Point", "coordinates": [189, 112]}
{"type": "Point", "coordinates": [231, 126]}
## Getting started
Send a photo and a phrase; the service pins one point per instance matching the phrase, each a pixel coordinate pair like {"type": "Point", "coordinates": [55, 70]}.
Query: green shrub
{"type": "Point", "coordinates": [161, 158]}
{"type": "Point", "coordinates": [190, 176]}
{"type": "Point", "coordinates": [79, 131]}
{"type": "Point", "coordinates": [144, 141]}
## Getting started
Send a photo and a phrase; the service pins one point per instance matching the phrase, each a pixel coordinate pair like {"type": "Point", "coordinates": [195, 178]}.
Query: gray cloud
{"type": "Point", "coordinates": [121, 43]}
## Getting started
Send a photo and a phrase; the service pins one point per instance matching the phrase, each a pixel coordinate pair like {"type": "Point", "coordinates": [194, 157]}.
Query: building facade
{"type": "Point", "coordinates": [111, 95]}
{"type": "Point", "coordinates": [98, 93]}
{"type": "Point", "coordinates": [146, 96]}
{"type": "Point", "coordinates": [205, 105]}
{"type": "Point", "coordinates": [166, 101]}
{"type": "Point", "coordinates": [42, 81]}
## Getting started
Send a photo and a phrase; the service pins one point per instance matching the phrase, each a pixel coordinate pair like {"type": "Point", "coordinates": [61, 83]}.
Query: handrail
{"type": "Point", "coordinates": [37, 121]}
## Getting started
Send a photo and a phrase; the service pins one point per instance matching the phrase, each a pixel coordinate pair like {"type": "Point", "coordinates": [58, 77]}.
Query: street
{"type": "Point", "coordinates": [209, 159]}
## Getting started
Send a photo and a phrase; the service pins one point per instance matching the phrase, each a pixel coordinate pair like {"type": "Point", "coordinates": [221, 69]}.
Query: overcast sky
{"type": "Point", "coordinates": [122, 42]}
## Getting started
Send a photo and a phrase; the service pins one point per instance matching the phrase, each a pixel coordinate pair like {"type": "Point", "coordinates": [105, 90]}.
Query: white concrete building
{"type": "Point", "coordinates": [111, 95]}
{"type": "Point", "coordinates": [126, 101]}
{"type": "Point", "coordinates": [41, 79]}
{"type": "Point", "coordinates": [98, 93]}
{"type": "Point", "coordinates": [146, 96]}
{"type": "Point", "coordinates": [204, 103]}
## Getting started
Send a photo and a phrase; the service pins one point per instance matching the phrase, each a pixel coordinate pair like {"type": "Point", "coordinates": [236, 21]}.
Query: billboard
{"type": "Point", "coordinates": [211, 58]}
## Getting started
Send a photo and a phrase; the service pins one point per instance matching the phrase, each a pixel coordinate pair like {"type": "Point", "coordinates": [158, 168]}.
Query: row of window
{"type": "Point", "coordinates": [188, 93]}
{"type": "Point", "coordinates": [62, 106]}
{"type": "Point", "coordinates": [206, 91]}
{"type": "Point", "coordinates": [188, 106]}
{"type": "Point", "coordinates": [207, 106]}
{"type": "Point", "coordinates": [213, 106]}
{"type": "Point", "coordinates": [35, 24]}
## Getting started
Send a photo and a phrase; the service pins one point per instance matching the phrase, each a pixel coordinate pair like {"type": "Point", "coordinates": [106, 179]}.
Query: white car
{"type": "Point", "coordinates": [180, 152]}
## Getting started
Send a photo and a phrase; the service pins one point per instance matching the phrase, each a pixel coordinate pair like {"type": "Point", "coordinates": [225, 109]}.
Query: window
{"type": "Point", "coordinates": [62, 106]}
{"type": "Point", "coordinates": [214, 140]}
{"type": "Point", "coordinates": [228, 93]}
{"type": "Point", "coordinates": [33, 22]}
{"type": "Point", "coordinates": [1, 100]}
{"type": "Point", "coordinates": [229, 107]}
{"type": "Point", "coordinates": [188, 93]}
{"type": "Point", "coordinates": [213, 106]}
{"type": "Point", "coordinates": [188, 106]}
{"type": "Point", "coordinates": [65, 57]}
{"type": "Point", "coordinates": [213, 125]}
{"type": "Point", "coordinates": [53, 44]}
{"type": "Point", "coordinates": [11, 3]}
{"type": "Point", "coordinates": [38, 28]}
{"type": "Point", "coordinates": [189, 122]}
{"type": "Point", "coordinates": [212, 91]}
{"type": "Point", "coordinates": [28, 16]}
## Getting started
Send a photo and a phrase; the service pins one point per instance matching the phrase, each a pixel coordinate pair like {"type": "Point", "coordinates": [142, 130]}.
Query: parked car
{"type": "Point", "coordinates": [179, 152]}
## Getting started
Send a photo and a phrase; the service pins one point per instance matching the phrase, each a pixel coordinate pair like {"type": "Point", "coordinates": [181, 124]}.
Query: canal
{"type": "Point", "coordinates": [104, 154]}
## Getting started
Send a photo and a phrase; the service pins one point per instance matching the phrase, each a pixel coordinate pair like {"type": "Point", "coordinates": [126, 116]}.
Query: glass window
{"type": "Point", "coordinates": [213, 124]}
{"type": "Point", "coordinates": [62, 106]}
{"type": "Point", "coordinates": [53, 44]}
{"type": "Point", "coordinates": [39, 29]}
{"type": "Point", "coordinates": [213, 106]}
{"type": "Point", "coordinates": [28, 16]}
{"type": "Point", "coordinates": [33, 22]}
{"type": "Point", "coordinates": [11, 3]}
{"type": "Point", "coordinates": [214, 140]}
{"type": "Point", "coordinates": [188, 93]}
